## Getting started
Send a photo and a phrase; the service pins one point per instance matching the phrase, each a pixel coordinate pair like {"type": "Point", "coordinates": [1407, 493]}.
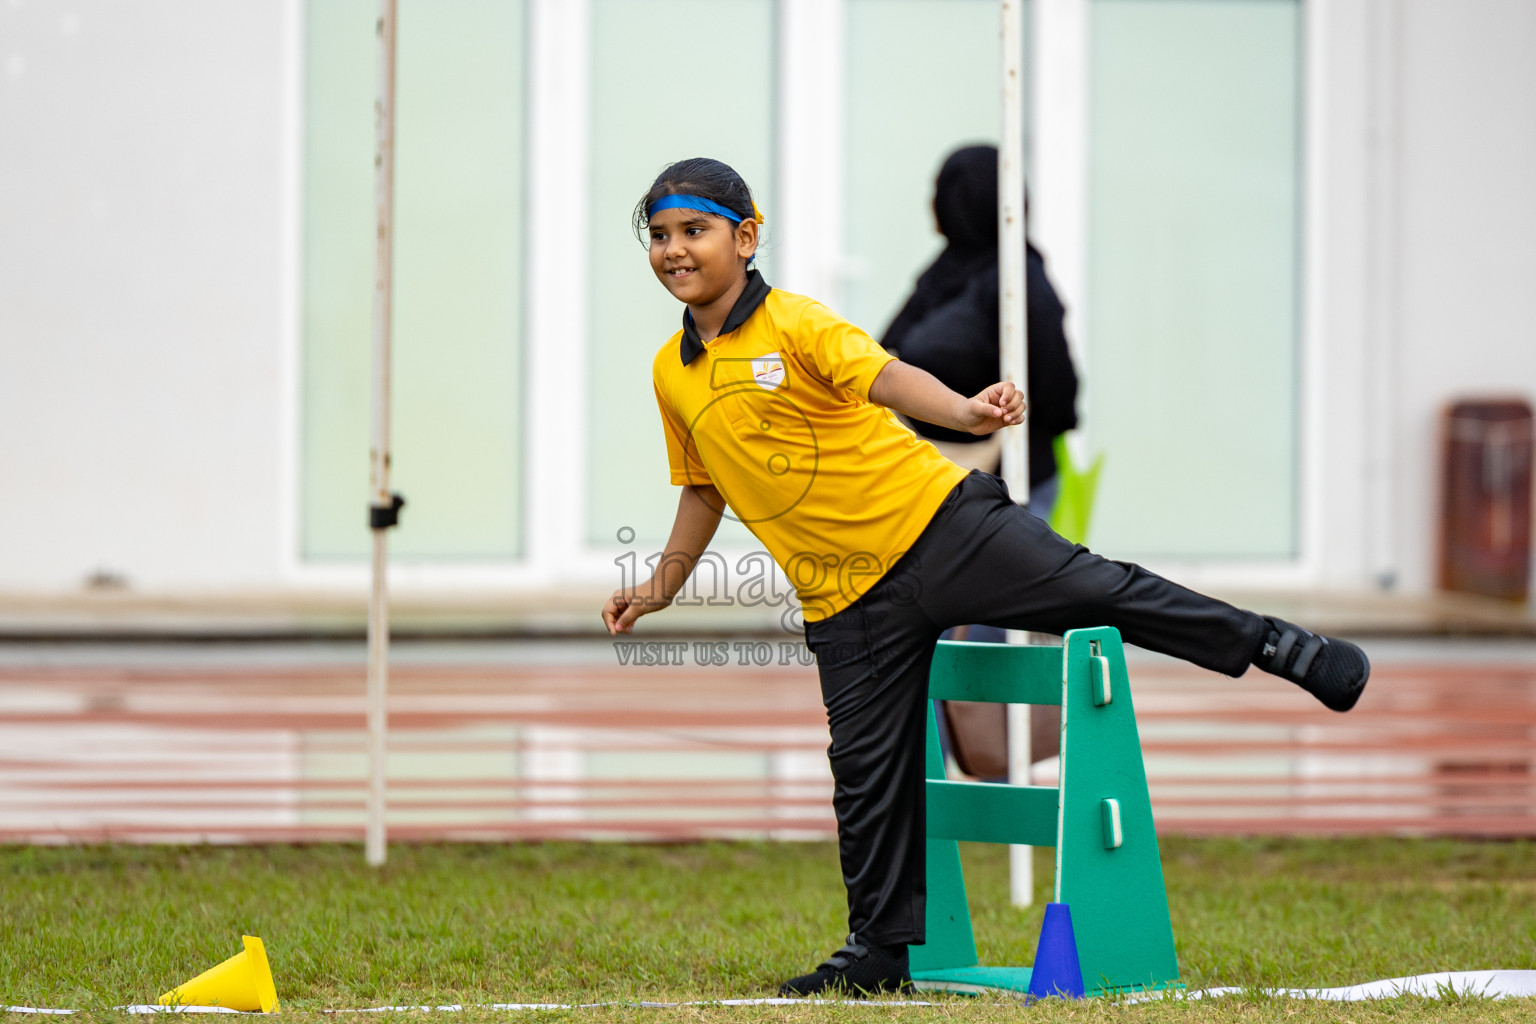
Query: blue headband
{"type": "Point", "coordinates": [683, 202]}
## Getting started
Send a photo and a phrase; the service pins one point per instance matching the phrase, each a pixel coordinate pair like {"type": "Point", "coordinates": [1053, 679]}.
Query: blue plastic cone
{"type": "Point", "coordinates": [1056, 971]}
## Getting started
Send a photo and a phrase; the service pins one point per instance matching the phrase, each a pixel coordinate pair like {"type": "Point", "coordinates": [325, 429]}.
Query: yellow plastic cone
{"type": "Point", "coordinates": [243, 982]}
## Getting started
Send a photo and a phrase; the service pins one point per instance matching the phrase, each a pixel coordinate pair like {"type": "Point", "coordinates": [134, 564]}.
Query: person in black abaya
{"type": "Point", "coordinates": [949, 326]}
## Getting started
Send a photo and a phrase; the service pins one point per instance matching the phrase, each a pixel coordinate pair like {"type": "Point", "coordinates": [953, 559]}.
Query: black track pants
{"type": "Point", "coordinates": [981, 559]}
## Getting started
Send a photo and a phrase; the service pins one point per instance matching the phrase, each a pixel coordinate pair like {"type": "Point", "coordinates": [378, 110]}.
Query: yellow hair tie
{"type": "Point", "coordinates": [757, 214]}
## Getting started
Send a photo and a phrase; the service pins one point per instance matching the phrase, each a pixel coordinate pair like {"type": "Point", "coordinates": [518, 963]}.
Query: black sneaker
{"type": "Point", "coordinates": [1333, 671]}
{"type": "Point", "coordinates": [858, 969]}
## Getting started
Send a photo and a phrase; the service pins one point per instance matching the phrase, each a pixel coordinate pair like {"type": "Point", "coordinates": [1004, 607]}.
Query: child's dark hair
{"type": "Point", "coordinates": [697, 176]}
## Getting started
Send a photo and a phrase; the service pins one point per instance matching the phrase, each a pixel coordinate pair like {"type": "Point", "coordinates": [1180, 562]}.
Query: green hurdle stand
{"type": "Point", "coordinates": [1098, 816]}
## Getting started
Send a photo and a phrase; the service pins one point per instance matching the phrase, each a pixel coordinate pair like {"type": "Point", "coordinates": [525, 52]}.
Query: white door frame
{"type": "Point", "coordinates": [811, 92]}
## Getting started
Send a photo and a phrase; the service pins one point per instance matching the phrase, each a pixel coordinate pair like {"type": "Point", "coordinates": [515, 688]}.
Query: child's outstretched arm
{"type": "Point", "coordinates": [918, 394]}
{"type": "Point", "coordinates": [698, 516]}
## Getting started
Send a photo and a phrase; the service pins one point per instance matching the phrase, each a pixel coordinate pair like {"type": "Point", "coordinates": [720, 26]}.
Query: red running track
{"type": "Point", "coordinates": [241, 754]}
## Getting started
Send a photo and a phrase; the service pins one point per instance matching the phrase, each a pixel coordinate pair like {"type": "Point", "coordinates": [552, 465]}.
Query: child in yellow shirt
{"type": "Point", "coordinates": [779, 409]}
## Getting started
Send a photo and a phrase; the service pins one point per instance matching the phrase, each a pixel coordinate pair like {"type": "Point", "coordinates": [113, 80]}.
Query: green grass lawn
{"type": "Point", "coordinates": [95, 926]}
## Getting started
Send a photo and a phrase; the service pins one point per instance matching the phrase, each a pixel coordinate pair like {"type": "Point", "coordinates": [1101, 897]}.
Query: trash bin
{"type": "Point", "coordinates": [1485, 511]}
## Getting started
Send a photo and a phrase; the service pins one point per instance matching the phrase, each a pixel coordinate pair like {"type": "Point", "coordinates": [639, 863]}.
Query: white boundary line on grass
{"type": "Point", "coordinates": [1445, 984]}
{"type": "Point", "coordinates": [459, 1007]}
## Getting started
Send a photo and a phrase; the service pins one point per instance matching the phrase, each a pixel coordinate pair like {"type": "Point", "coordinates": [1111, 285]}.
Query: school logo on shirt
{"type": "Point", "coordinates": [768, 371]}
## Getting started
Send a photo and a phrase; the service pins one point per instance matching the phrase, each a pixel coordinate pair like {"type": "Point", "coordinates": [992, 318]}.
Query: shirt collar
{"type": "Point", "coordinates": [751, 297]}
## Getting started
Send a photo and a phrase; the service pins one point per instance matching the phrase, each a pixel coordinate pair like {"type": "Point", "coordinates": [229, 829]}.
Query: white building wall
{"type": "Point", "coordinates": [142, 271]}
{"type": "Point", "coordinates": [147, 257]}
{"type": "Point", "coordinates": [1467, 252]}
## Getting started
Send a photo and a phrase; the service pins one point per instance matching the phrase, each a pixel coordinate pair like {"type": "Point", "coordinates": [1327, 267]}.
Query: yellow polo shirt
{"type": "Point", "coordinates": [776, 415]}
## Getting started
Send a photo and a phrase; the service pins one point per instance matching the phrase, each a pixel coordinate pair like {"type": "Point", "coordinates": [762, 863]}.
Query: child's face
{"type": "Point", "coordinates": [699, 256]}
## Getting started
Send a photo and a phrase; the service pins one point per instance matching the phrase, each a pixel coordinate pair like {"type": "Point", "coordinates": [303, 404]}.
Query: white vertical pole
{"type": "Point", "coordinates": [380, 497]}
{"type": "Point", "coordinates": [1383, 212]}
{"type": "Point", "coordinates": [1010, 238]}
